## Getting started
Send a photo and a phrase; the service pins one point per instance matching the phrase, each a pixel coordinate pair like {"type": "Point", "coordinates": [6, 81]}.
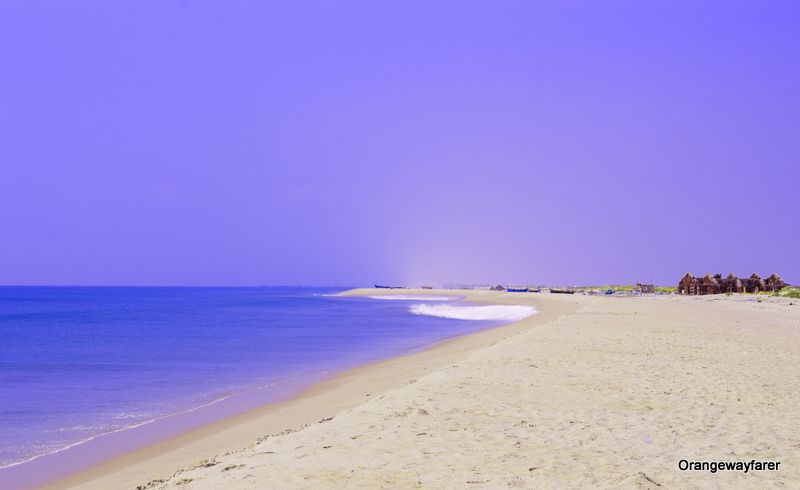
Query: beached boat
{"type": "Point", "coordinates": [427, 287]}
{"type": "Point", "coordinates": [517, 290]}
{"type": "Point", "coordinates": [537, 290]}
{"type": "Point", "coordinates": [378, 286]}
{"type": "Point", "coordinates": [562, 291]}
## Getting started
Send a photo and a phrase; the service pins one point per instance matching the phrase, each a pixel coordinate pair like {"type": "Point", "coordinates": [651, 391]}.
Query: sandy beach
{"type": "Point", "coordinates": [597, 199]}
{"type": "Point", "coordinates": [591, 392]}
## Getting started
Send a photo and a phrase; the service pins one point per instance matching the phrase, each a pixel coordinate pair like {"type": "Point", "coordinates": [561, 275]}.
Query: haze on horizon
{"type": "Point", "coordinates": [349, 143]}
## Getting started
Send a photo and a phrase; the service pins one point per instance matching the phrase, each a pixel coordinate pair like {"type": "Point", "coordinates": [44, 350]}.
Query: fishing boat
{"type": "Point", "coordinates": [537, 290]}
{"type": "Point", "coordinates": [378, 286]}
{"type": "Point", "coordinates": [517, 290]}
{"type": "Point", "coordinates": [562, 291]}
{"type": "Point", "coordinates": [427, 287]}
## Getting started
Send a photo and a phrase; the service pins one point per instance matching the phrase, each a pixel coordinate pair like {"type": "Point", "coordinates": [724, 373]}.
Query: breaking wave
{"type": "Point", "coordinates": [489, 312]}
{"type": "Point", "coordinates": [412, 297]}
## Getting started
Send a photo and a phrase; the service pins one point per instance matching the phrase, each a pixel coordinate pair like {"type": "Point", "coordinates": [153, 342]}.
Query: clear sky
{"type": "Point", "coordinates": [347, 143]}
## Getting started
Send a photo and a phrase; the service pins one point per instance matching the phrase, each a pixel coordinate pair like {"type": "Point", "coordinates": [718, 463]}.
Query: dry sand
{"type": "Point", "coordinates": [592, 392]}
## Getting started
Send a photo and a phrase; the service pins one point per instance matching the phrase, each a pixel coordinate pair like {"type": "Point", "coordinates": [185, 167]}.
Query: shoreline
{"type": "Point", "coordinates": [297, 409]}
{"type": "Point", "coordinates": [143, 434]}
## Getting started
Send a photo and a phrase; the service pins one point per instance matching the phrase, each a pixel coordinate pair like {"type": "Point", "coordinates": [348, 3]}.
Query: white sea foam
{"type": "Point", "coordinates": [414, 297]}
{"type": "Point", "coordinates": [489, 312]}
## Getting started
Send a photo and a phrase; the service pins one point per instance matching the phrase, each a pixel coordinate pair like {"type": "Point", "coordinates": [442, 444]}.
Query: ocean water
{"type": "Point", "coordinates": [79, 362]}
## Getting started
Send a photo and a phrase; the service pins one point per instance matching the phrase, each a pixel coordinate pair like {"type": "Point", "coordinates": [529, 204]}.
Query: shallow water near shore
{"type": "Point", "coordinates": [81, 363]}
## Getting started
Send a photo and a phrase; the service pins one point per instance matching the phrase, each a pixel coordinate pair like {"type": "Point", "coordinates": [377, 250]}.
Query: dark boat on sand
{"type": "Point", "coordinates": [378, 286]}
{"type": "Point", "coordinates": [562, 291]}
{"type": "Point", "coordinates": [517, 290]}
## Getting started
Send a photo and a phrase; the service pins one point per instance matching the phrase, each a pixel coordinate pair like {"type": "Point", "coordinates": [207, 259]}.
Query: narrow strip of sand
{"type": "Point", "coordinates": [322, 401]}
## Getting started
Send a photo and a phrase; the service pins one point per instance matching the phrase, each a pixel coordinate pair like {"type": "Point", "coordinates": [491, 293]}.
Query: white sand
{"type": "Point", "coordinates": [593, 392]}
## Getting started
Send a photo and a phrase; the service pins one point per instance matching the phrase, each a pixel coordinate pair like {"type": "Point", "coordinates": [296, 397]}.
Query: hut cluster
{"type": "Point", "coordinates": [716, 284]}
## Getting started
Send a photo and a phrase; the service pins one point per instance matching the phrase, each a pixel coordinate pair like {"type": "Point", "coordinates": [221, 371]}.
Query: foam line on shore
{"type": "Point", "coordinates": [483, 312]}
{"type": "Point", "coordinates": [413, 297]}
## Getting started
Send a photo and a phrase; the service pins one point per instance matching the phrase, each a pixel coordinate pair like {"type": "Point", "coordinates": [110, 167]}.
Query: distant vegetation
{"type": "Point", "coordinates": [789, 292]}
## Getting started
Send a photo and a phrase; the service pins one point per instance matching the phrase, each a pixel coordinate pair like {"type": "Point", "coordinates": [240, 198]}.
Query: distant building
{"type": "Point", "coordinates": [774, 282]}
{"type": "Point", "coordinates": [732, 284]}
{"type": "Point", "coordinates": [710, 284]}
{"type": "Point", "coordinates": [688, 285]}
{"type": "Point", "coordinates": [754, 284]}
{"type": "Point", "coordinates": [715, 284]}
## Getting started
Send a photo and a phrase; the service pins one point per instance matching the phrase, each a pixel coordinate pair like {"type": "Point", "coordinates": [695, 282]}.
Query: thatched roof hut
{"type": "Point", "coordinates": [498, 288]}
{"type": "Point", "coordinates": [774, 282]}
{"type": "Point", "coordinates": [687, 285]}
{"type": "Point", "coordinates": [755, 284]}
{"type": "Point", "coordinates": [732, 284]}
{"type": "Point", "coordinates": [710, 284]}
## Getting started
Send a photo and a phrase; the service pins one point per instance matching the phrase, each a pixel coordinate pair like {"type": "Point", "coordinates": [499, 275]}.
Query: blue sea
{"type": "Point", "coordinates": [79, 362]}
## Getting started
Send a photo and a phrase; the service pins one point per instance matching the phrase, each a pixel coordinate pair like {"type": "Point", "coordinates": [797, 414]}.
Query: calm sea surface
{"type": "Point", "coordinates": [76, 362]}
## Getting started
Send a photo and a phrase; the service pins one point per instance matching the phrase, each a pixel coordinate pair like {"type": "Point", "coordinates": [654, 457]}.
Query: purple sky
{"type": "Point", "coordinates": [346, 143]}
